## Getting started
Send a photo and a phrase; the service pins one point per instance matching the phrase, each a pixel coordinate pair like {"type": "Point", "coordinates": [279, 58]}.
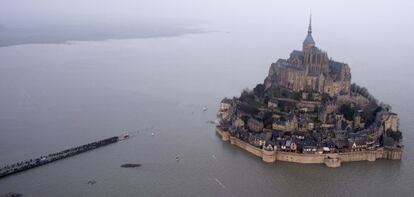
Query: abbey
{"type": "Point", "coordinates": [307, 111]}
{"type": "Point", "coordinates": [310, 70]}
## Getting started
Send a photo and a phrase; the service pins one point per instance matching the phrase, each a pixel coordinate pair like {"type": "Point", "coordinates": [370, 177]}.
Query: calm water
{"type": "Point", "coordinates": [55, 96]}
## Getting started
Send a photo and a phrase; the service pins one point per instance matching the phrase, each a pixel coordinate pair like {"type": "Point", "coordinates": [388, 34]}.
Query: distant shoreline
{"type": "Point", "coordinates": [74, 33]}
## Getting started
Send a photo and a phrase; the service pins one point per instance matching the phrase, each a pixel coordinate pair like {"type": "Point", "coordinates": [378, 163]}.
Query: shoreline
{"type": "Point", "coordinates": [332, 160]}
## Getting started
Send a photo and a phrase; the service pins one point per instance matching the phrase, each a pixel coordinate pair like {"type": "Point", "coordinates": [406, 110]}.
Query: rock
{"type": "Point", "coordinates": [130, 165]}
{"type": "Point", "coordinates": [11, 194]}
{"type": "Point", "coordinates": [92, 182]}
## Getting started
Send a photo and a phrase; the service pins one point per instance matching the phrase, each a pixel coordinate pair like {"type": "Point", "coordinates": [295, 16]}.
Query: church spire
{"type": "Point", "coordinates": [310, 24]}
{"type": "Point", "coordinates": [308, 43]}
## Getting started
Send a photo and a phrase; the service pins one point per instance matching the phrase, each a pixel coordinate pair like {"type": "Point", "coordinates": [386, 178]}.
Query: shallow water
{"type": "Point", "coordinates": [55, 96]}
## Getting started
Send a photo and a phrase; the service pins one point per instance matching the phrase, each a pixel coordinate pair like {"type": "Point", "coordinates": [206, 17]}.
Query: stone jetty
{"type": "Point", "coordinates": [43, 160]}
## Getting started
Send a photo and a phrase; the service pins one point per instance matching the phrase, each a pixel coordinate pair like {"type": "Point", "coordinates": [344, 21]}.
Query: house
{"type": "Point", "coordinates": [327, 126]}
{"type": "Point", "coordinates": [305, 95]}
{"type": "Point", "coordinates": [270, 146]}
{"type": "Point", "coordinates": [316, 96]}
{"type": "Point", "coordinates": [292, 123]}
{"type": "Point", "coordinates": [225, 104]}
{"type": "Point", "coordinates": [268, 134]}
{"type": "Point", "coordinates": [358, 144]}
{"type": "Point", "coordinates": [309, 149]}
{"type": "Point", "coordinates": [289, 145]}
{"type": "Point", "coordinates": [299, 136]}
{"type": "Point", "coordinates": [255, 124]}
{"type": "Point", "coordinates": [276, 116]}
{"type": "Point", "coordinates": [357, 120]}
{"type": "Point", "coordinates": [279, 125]}
{"type": "Point", "coordinates": [238, 123]}
{"type": "Point", "coordinates": [285, 145]}
{"type": "Point", "coordinates": [272, 103]}
{"type": "Point", "coordinates": [327, 109]}
{"type": "Point", "coordinates": [311, 126]}
{"type": "Point", "coordinates": [341, 134]}
{"type": "Point", "coordinates": [308, 106]}
{"type": "Point", "coordinates": [305, 123]}
{"type": "Point", "coordinates": [390, 121]}
{"type": "Point", "coordinates": [257, 140]}
{"type": "Point", "coordinates": [226, 110]}
{"type": "Point", "coordinates": [340, 143]}
{"type": "Point", "coordinates": [286, 104]}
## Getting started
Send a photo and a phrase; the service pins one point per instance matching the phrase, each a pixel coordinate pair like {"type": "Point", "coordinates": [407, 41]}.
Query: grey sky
{"type": "Point", "coordinates": [374, 23]}
{"type": "Point", "coordinates": [237, 12]}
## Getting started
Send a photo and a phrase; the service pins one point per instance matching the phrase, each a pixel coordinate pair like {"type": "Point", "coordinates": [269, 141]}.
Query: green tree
{"type": "Point", "coordinates": [347, 111]}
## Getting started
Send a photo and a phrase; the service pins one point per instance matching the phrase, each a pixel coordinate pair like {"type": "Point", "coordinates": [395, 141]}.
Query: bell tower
{"type": "Point", "coordinates": [308, 43]}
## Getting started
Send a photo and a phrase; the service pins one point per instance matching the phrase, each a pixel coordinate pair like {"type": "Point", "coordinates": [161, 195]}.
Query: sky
{"type": "Point", "coordinates": [226, 12]}
{"type": "Point", "coordinates": [383, 27]}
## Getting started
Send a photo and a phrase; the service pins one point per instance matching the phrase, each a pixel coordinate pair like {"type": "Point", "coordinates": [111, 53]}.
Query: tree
{"type": "Point", "coordinates": [246, 95]}
{"type": "Point", "coordinates": [259, 90]}
{"type": "Point", "coordinates": [396, 135]}
{"type": "Point", "coordinates": [370, 112]}
{"type": "Point", "coordinates": [347, 111]}
{"type": "Point", "coordinates": [358, 90]}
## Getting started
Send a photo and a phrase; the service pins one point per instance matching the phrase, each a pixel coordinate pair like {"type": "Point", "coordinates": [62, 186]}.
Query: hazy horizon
{"type": "Point", "coordinates": [361, 33]}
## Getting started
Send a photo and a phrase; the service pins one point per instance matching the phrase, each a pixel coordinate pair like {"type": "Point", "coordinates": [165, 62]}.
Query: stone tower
{"type": "Point", "coordinates": [315, 60]}
{"type": "Point", "coordinates": [310, 70]}
{"type": "Point", "coordinates": [308, 43]}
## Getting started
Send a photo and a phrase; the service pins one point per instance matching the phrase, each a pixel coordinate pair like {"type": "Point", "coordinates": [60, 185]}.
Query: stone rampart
{"type": "Point", "coordinates": [330, 159]}
{"type": "Point", "coordinates": [246, 146]}
{"type": "Point", "coordinates": [268, 156]}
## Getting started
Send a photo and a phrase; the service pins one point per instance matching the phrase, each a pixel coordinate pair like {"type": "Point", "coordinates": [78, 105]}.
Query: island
{"type": "Point", "coordinates": [308, 111]}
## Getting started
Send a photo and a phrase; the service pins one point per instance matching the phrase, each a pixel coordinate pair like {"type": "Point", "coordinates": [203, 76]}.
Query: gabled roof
{"type": "Point", "coordinates": [226, 100]}
{"type": "Point", "coordinates": [282, 63]}
{"type": "Point", "coordinates": [296, 53]}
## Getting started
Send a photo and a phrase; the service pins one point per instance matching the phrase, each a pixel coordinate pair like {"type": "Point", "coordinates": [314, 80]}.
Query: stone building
{"type": "Point", "coordinates": [238, 123]}
{"type": "Point", "coordinates": [327, 109]}
{"type": "Point", "coordinates": [390, 121]}
{"type": "Point", "coordinates": [226, 111]}
{"type": "Point", "coordinates": [291, 124]}
{"type": "Point", "coordinates": [272, 103]}
{"type": "Point", "coordinates": [255, 125]}
{"type": "Point", "coordinates": [225, 104]}
{"type": "Point", "coordinates": [310, 70]}
{"type": "Point", "coordinates": [386, 121]}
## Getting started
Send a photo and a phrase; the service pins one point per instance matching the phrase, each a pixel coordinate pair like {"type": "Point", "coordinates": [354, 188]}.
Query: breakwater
{"type": "Point", "coordinates": [329, 159]}
{"type": "Point", "coordinates": [43, 160]}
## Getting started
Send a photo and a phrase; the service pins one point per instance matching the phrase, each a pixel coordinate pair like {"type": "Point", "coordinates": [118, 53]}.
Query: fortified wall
{"type": "Point", "coordinates": [330, 159]}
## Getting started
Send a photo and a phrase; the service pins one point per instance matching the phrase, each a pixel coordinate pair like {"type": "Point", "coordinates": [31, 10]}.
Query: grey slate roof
{"type": "Point", "coordinates": [309, 40]}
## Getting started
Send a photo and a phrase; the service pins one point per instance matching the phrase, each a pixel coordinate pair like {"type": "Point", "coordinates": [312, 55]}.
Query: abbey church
{"type": "Point", "coordinates": [307, 111]}
{"type": "Point", "coordinates": [310, 70]}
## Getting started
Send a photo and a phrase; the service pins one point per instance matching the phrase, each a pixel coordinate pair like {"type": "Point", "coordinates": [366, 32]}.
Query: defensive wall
{"type": "Point", "coordinates": [329, 159]}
